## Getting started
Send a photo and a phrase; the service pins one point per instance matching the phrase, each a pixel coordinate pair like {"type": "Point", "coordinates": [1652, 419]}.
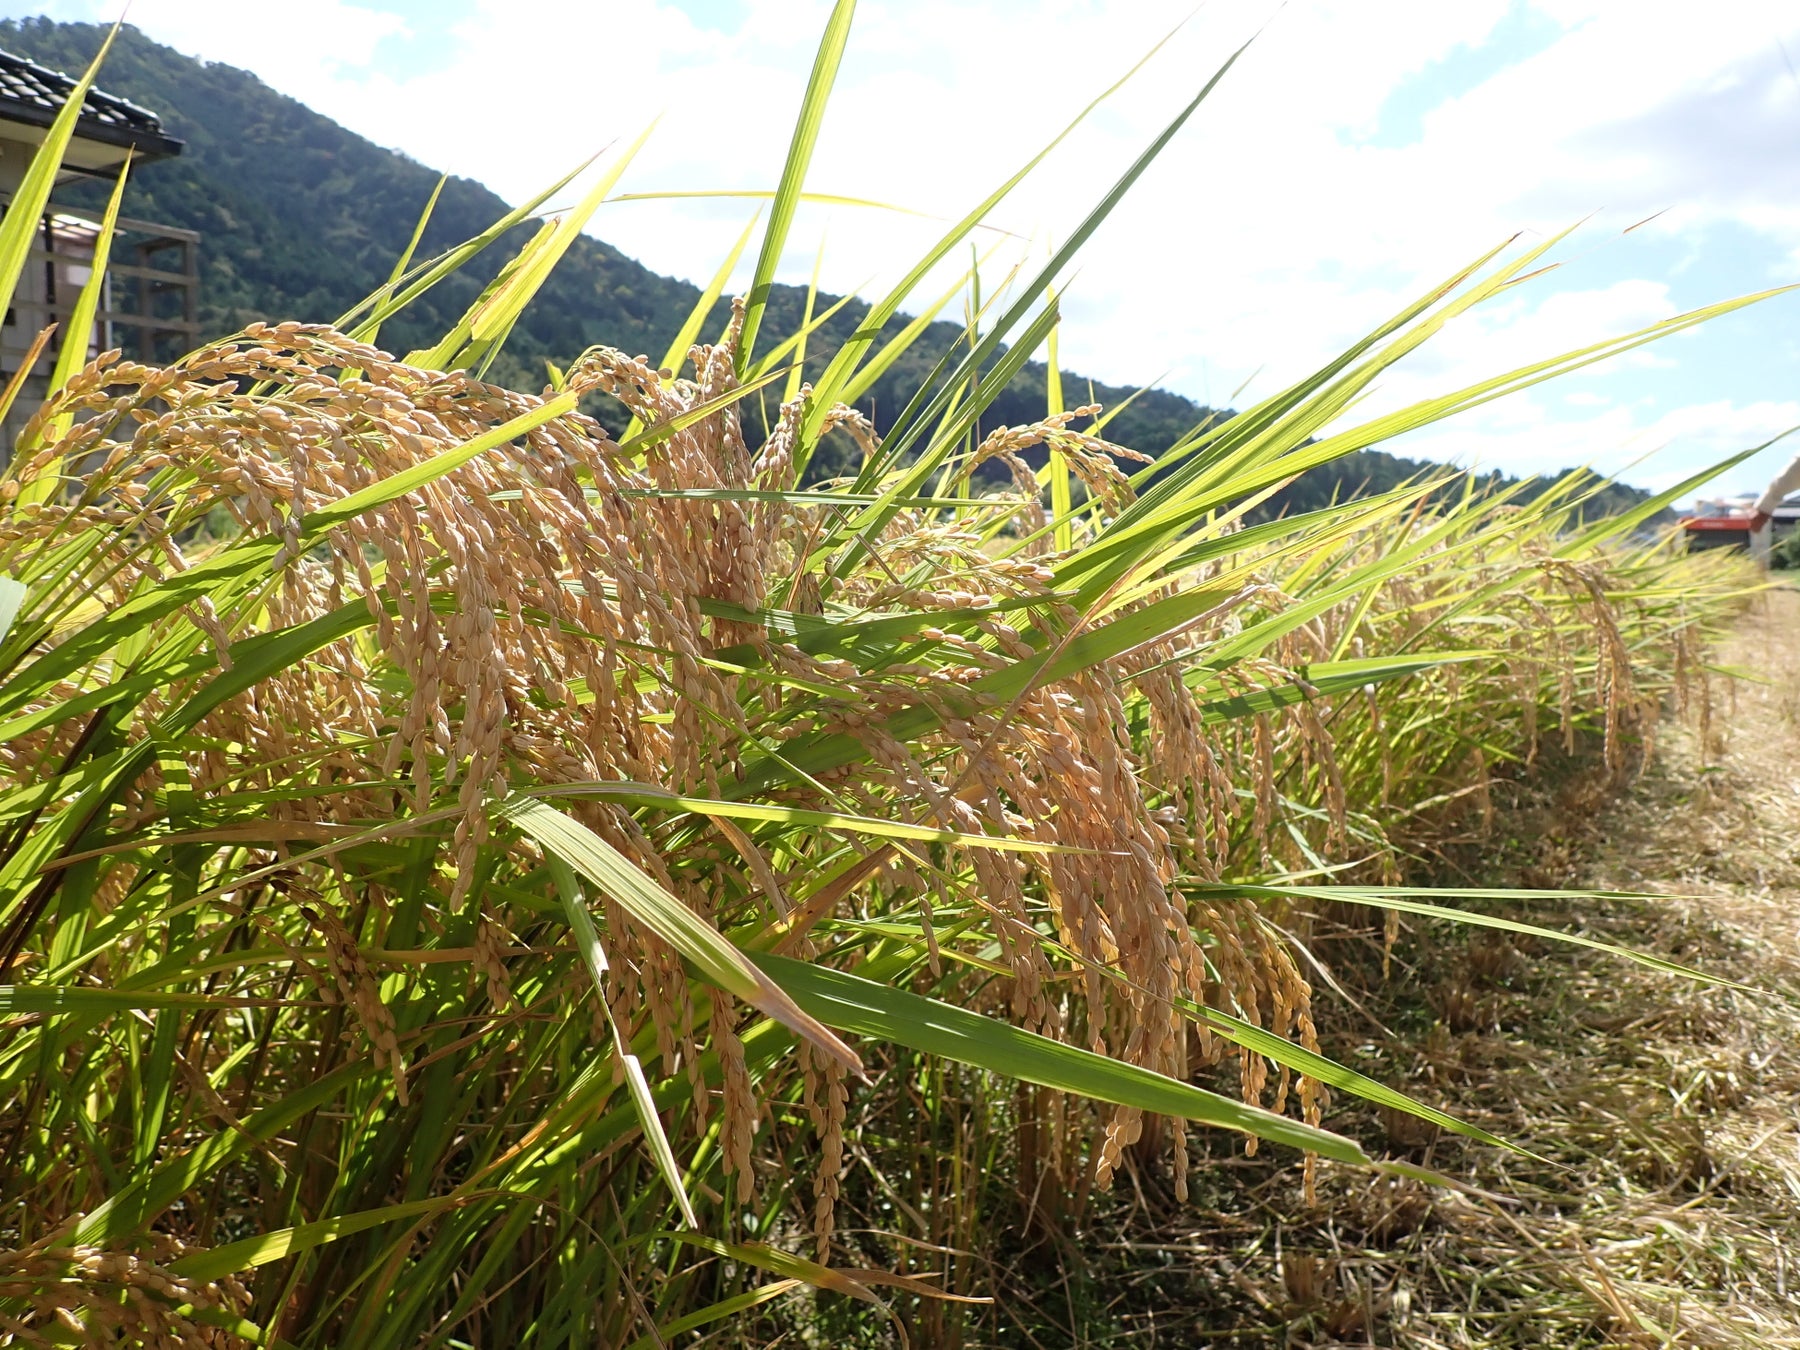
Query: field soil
{"type": "Point", "coordinates": [1662, 1208]}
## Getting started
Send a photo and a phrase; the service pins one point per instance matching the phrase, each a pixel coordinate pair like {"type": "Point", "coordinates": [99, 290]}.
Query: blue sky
{"type": "Point", "coordinates": [1358, 152]}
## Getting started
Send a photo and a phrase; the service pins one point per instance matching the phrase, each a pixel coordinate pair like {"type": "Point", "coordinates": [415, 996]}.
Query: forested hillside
{"type": "Point", "coordinates": [301, 218]}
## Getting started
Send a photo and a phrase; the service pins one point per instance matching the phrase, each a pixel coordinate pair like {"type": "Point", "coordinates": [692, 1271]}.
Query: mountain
{"type": "Point", "coordinates": [300, 219]}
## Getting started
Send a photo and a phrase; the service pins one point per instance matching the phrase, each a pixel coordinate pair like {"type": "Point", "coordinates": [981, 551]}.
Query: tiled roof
{"type": "Point", "coordinates": [35, 94]}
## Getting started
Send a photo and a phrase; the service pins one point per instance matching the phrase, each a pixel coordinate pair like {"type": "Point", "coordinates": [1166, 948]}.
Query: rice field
{"type": "Point", "coordinates": [470, 876]}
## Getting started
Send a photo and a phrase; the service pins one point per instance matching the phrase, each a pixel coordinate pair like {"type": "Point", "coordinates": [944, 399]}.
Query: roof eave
{"type": "Point", "coordinates": [148, 145]}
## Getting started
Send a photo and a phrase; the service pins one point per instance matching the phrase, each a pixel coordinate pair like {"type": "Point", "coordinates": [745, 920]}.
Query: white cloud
{"type": "Point", "coordinates": [1525, 436]}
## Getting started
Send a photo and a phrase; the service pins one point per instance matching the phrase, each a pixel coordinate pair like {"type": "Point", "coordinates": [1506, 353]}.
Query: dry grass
{"type": "Point", "coordinates": [1667, 1212]}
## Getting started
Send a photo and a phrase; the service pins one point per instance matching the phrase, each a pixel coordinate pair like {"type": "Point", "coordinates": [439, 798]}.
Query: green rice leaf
{"type": "Point", "coordinates": [34, 998]}
{"type": "Point", "coordinates": [593, 955]}
{"type": "Point", "coordinates": [793, 174]}
{"type": "Point", "coordinates": [371, 332]}
{"type": "Point", "coordinates": [676, 357]}
{"type": "Point", "coordinates": [626, 884]}
{"type": "Point", "coordinates": [475, 341]}
{"type": "Point", "coordinates": [412, 479]}
{"type": "Point", "coordinates": [383, 303]}
{"type": "Point", "coordinates": [835, 384]}
{"type": "Point", "coordinates": [902, 436]}
{"type": "Point", "coordinates": [734, 1306]}
{"type": "Point", "coordinates": [643, 794]}
{"type": "Point", "coordinates": [77, 334]}
{"type": "Point", "coordinates": [1340, 1076]}
{"type": "Point", "coordinates": [658, 432]}
{"type": "Point", "coordinates": [777, 1262]}
{"type": "Point", "coordinates": [264, 1248]}
{"type": "Point", "coordinates": [868, 1008]}
{"type": "Point", "coordinates": [25, 209]}
{"type": "Point", "coordinates": [1402, 900]}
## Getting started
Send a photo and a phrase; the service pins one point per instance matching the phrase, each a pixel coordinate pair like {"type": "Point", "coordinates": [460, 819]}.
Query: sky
{"type": "Point", "coordinates": [1358, 152]}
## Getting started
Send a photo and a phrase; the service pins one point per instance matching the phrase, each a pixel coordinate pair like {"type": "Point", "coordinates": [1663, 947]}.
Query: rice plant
{"type": "Point", "coordinates": [461, 867]}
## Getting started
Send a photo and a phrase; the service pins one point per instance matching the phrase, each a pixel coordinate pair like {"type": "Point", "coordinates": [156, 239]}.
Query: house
{"type": "Point", "coordinates": [1724, 522]}
{"type": "Point", "coordinates": [153, 277]}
